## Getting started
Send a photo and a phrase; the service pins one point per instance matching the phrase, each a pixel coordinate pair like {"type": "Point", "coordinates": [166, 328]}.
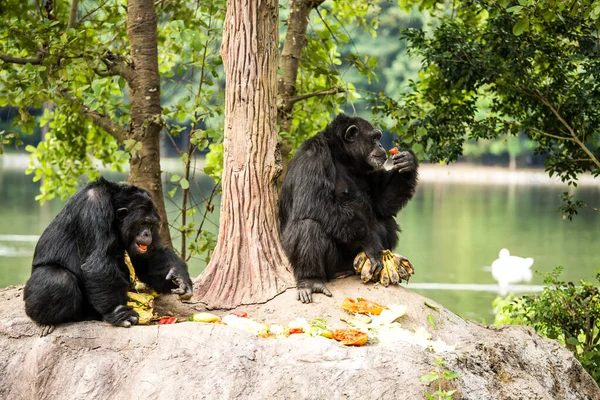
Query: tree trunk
{"type": "Point", "coordinates": [146, 110]}
{"type": "Point", "coordinates": [295, 40]}
{"type": "Point", "coordinates": [248, 265]}
{"type": "Point", "coordinates": [512, 161]}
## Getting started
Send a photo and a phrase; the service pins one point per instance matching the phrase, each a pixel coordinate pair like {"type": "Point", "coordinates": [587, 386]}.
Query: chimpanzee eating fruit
{"type": "Point", "coordinates": [337, 201]}
{"type": "Point", "coordinates": [79, 271]}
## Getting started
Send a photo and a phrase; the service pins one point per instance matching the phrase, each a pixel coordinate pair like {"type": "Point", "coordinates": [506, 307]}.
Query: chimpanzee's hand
{"type": "Point", "coordinates": [123, 316]}
{"type": "Point", "coordinates": [181, 279]}
{"type": "Point", "coordinates": [404, 161]}
{"type": "Point", "coordinates": [306, 287]}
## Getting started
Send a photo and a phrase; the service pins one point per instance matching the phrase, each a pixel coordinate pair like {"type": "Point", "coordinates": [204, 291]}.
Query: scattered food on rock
{"type": "Point", "coordinates": [167, 320]}
{"type": "Point", "coordinates": [205, 317]}
{"type": "Point", "coordinates": [350, 337]}
{"type": "Point", "coordinates": [362, 306]}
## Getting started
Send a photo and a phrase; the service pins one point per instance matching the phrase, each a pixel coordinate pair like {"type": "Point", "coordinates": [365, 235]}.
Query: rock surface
{"type": "Point", "coordinates": [93, 360]}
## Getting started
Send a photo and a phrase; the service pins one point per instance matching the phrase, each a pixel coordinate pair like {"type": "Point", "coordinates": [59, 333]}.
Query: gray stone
{"type": "Point", "coordinates": [93, 360]}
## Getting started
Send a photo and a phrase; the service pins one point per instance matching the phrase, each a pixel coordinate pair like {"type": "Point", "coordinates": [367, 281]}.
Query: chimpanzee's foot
{"type": "Point", "coordinates": [46, 330]}
{"type": "Point", "coordinates": [306, 287]}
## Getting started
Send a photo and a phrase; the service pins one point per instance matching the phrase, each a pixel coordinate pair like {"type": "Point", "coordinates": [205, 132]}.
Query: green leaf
{"type": "Point", "coordinates": [514, 9]}
{"type": "Point", "coordinates": [430, 377]}
{"type": "Point", "coordinates": [573, 341]}
{"type": "Point", "coordinates": [451, 375]}
{"type": "Point", "coordinates": [30, 149]}
{"type": "Point", "coordinates": [521, 26]}
{"type": "Point", "coordinates": [175, 178]}
{"type": "Point", "coordinates": [431, 305]}
{"type": "Point", "coordinates": [431, 321]}
{"type": "Point", "coordinates": [184, 183]}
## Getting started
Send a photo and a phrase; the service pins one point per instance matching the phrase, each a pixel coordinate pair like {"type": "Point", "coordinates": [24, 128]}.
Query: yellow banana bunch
{"type": "Point", "coordinates": [395, 268]}
{"type": "Point", "coordinates": [143, 304]}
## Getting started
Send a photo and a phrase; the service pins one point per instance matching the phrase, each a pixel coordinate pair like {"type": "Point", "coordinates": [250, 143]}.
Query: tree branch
{"type": "Point", "coordinates": [73, 16]}
{"type": "Point", "coordinates": [324, 92]}
{"type": "Point", "coordinates": [104, 122]}
{"type": "Point", "coordinates": [569, 128]}
{"type": "Point", "coordinates": [116, 66]}
{"type": "Point", "coordinates": [535, 130]}
{"type": "Point", "coordinates": [33, 60]}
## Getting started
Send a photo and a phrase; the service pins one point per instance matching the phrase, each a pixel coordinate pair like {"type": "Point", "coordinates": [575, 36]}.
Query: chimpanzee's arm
{"type": "Point", "coordinates": [392, 189]}
{"type": "Point", "coordinates": [163, 270]}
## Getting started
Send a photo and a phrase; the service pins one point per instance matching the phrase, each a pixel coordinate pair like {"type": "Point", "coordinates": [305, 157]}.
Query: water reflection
{"type": "Point", "coordinates": [451, 232]}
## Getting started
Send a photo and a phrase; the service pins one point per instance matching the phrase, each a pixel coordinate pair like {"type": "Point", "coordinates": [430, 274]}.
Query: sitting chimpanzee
{"type": "Point", "coordinates": [79, 271]}
{"type": "Point", "coordinates": [337, 200]}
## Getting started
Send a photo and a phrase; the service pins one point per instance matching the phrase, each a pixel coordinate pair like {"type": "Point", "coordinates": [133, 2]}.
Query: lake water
{"type": "Point", "coordinates": [452, 232]}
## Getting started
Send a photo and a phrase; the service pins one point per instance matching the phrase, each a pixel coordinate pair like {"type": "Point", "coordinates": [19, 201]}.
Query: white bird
{"type": "Point", "coordinates": [509, 269]}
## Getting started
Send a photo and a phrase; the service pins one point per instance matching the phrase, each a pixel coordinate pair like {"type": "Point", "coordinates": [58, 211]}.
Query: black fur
{"type": "Point", "coordinates": [337, 200]}
{"type": "Point", "coordinates": [79, 271]}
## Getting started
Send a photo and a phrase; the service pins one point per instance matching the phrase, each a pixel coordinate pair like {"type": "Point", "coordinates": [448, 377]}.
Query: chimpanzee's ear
{"type": "Point", "coordinates": [122, 213]}
{"type": "Point", "coordinates": [351, 133]}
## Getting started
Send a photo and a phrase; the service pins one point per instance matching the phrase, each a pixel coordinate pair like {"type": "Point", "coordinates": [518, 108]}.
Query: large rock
{"type": "Point", "coordinates": [188, 360]}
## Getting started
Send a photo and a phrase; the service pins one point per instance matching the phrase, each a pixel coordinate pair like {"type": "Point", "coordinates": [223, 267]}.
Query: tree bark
{"type": "Point", "coordinates": [248, 265]}
{"type": "Point", "coordinates": [146, 122]}
{"type": "Point", "coordinates": [295, 40]}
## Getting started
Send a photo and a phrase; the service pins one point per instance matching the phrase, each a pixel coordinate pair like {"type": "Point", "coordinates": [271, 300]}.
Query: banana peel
{"type": "Point", "coordinates": [141, 298]}
{"type": "Point", "coordinates": [396, 268]}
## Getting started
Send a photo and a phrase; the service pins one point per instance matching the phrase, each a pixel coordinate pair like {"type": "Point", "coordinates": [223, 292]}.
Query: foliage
{"type": "Point", "coordinates": [562, 311]}
{"type": "Point", "coordinates": [61, 71]}
{"type": "Point", "coordinates": [323, 66]}
{"type": "Point", "coordinates": [70, 75]}
{"type": "Point", "coordinates": [548, 91]}
{"type": "Point", "coordinates": [441, 376]}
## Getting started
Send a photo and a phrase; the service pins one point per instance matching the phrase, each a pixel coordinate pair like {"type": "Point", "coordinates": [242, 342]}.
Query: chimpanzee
{"type": "Point", "coordinates": [79, 271]}
{"type": "Point", "coordinates": [337, 200]}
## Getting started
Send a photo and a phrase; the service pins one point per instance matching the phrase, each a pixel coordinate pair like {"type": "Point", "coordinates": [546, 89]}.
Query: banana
{"type": "Point", "coordinates": [404, 267]}
{"type": "Point", "coordinates": [365, 273]}
{"type": "Point", "coordinates": [393, 270]}
{"type": "Point", "coordinates": [359, 262]}
{"type": "Point", "coordinates": [396, 268]}
{"type": "Point", "coordinates": [385, 276]}
{"type": "Point", "coordinates": [143, 299]}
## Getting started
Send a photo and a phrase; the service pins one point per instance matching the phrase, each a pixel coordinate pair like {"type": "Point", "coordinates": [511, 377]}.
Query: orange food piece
{"type": "Point", "coordinates": [362, 306]}
{"type": "Point", "coordinates": [142, 246]}
{"type": "Point", "coordinates": [327, 333]}
{"type": "Point", "coordinates": [394, 151]}
{"type": "Point", "coordinates": [350, 337]}
{"type": "Point", "coordinates": [167, 320]}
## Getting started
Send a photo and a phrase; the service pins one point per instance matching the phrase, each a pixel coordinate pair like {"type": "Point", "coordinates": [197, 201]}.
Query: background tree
{"type": "Point", "coordinates": [539, 79]}
{"type": "Point", "coordinates": [248, 265]}
{"type": "Point", "coordinates": [52, 54]}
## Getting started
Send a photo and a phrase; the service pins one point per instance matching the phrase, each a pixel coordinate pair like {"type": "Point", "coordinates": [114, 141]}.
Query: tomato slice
{"type": "Point", "coordinates": [238, 313]}
{"type": "Point", "coordinates": [350, 337]}
{"type": "Point", "coordinates": [362, 306]}
{"type": "Point", "coordinates": [167, 320]}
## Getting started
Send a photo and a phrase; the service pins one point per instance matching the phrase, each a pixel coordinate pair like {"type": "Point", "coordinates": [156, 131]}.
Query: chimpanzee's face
{"type": "Point", "coordinates": [364, 145]}
{"type": "Point", "coordinates": [139, 223]}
